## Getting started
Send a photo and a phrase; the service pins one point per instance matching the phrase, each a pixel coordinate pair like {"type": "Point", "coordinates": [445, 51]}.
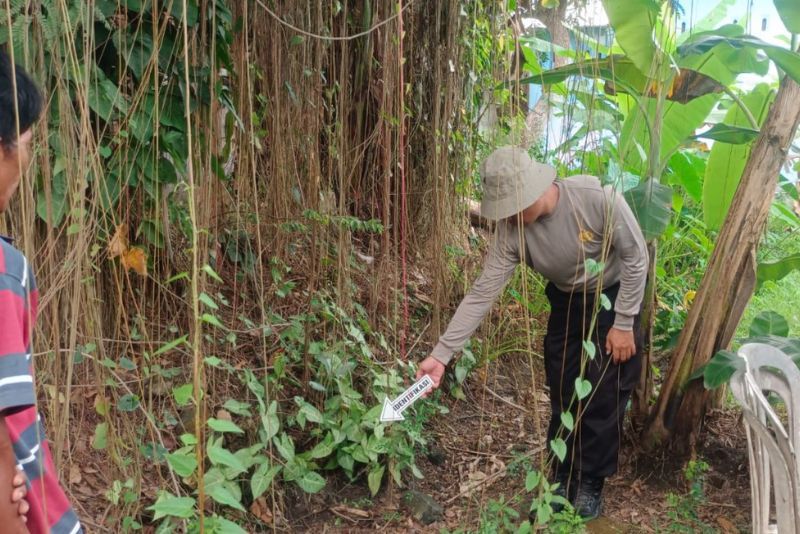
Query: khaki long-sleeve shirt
{"type": "Point", "coordinates": [589, 222]}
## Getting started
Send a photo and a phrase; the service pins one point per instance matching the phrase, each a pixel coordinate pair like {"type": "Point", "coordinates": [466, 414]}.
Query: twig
{"type": "Point", "coordinates": [347, 517]}
{"type": "Point", "coordinates": [502, 399]}
{"type": "Point", "coordinates": [479, 453]}
{"type": "Point", "coordinates": [485, 482]}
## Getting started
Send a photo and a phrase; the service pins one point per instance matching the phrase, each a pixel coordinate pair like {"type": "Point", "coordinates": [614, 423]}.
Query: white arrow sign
{"type": "Point", "coordinates": [393, 410]}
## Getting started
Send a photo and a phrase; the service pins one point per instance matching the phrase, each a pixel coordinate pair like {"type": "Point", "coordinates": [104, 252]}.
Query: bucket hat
{"type": "Point", "coordinates": [512, 181]}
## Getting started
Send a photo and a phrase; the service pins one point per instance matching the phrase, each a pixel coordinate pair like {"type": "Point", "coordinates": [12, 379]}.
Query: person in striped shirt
{"type": "Point", "coordinates": [20, 425]}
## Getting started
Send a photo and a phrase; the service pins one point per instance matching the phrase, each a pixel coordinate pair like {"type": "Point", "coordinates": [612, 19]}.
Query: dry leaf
{"type": "Point", "coordinates": [134, 259]}
{"type": "Point", "coordinates": [261, 510]}
{"type": "Point", "coordinates": [224, 415]}
{"type": "Point", "coordinates": [119, 242]}
{"type": "Point", "coordinates": [726, 525]}
{"type": "Point", "coordinates": [74, 475]}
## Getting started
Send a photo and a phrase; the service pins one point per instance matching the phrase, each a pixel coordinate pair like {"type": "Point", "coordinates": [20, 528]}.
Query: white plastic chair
{"type": "Point", "coordinates": [773, 449]}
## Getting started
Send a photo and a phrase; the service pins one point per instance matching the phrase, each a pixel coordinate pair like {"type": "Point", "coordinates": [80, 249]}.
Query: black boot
{"type": "Point", "coordinates": [589, 498]}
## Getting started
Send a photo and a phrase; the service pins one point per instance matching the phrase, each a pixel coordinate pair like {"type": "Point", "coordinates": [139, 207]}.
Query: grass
{"type": "Point", "coordinates": [781, 296]}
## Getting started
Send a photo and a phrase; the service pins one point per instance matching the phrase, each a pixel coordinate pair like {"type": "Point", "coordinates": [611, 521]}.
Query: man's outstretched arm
{"type": "Point", "coordinates": [500, 263]}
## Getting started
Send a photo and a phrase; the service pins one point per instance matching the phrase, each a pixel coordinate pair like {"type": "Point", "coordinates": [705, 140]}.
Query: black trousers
{"type": "Point", "coordinates": [593, 445]}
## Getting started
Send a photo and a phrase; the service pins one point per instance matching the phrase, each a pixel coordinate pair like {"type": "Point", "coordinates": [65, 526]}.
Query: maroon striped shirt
{"type": "Point", "coordinates": [50, 509]}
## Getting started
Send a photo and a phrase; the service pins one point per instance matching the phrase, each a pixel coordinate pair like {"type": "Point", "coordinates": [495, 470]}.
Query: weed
{"type": "Point", "coordinates": [682, 510]}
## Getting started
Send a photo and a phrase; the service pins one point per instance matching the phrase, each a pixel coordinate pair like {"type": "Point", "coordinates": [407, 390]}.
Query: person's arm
{"type": "Point", "coordinates": [17, 313]}
{"type": "Point", "coordinates": [12, 509]}
{"type": "Point", "coordinates": [631, 248]}
{"type": "Point", "coordinates": [500, 263]}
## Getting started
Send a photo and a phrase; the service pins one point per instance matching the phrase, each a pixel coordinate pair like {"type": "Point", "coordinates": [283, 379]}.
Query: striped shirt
{"type": "Point", "coordinates": [50, 510]}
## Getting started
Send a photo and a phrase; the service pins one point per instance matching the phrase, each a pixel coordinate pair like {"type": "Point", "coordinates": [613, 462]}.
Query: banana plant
{"type": "Point", "coordinates": [667, 86]}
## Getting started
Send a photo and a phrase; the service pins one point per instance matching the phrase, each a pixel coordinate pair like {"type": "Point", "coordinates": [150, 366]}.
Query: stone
{"type": "Point", "coordinates": [422, 507]}
{"type": "Point", "coordinates": [436, 456]}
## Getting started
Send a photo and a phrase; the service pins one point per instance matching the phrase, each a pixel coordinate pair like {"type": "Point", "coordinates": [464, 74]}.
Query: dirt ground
{"type": "Point", "coordinates": [471, 462]}
{"type": "Point", "coordinates": [480, 452]}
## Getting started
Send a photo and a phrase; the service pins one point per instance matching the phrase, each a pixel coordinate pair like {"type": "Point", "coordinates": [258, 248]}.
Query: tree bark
{"type": "Point", "coordinates": [728, 282]}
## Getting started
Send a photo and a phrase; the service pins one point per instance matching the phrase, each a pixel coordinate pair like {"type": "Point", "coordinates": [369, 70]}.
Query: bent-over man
{"type": "Point", "coordinates": [555, 227]}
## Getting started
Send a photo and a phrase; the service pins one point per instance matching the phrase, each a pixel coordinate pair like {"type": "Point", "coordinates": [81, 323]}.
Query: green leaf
{"type": "Point", "coordinates": [226, 493]}
{"type": "Point", "coordinates": [532, 480]}
{"type": "Point", "coordinates": [285, 446]}
{"type": "Point", "coordinates": [568, 421]}
{"type": "Point", "coordinates": [225, 526]}
{"type": "Point", "coordinates": [212, 320]}
{"type": "Point", "coordinates": [719, 369]}
{"type": "Point", "coordinates": [221, 456]}
{"type": "Point", "coordinates": [776, 270]}
{"type": "Point", "coordinates": [128, 403]}
{"type": "Point", "coordinates": [192, 12]}
{"type": "Point", "coordinates": [784, 58]}
{"type": "Point", "coordinates": [789, 11]}
{"type": "Point", "coordinates": [726, 162]}
{"type": "Point", "coordinates": [310, 412]}
{"type": "Point", "coordinates": [686, 169]}
{"type": "Point", "coordinates": [374, 478]}
{"type": "Point", "coordinates": [311, 482]}
{"type": "Point", "coordinates": [590, 349]}
{"type": "Point", "coordinates": [634, 23]}
{"type": "Point", "coordinates": [183, 394]}
{"type": "Point", "coordinates": [769, 323]}
{"type": "Point", "coordinates": [262, 478]}
{"type": "Point", "coordinates": [221, 425]}
{"type": "Point", "coordinates": [582, 388]}
{"type": "Point", "coordinates": [171, 506]}
{"type": "Point", "coordinates": [100, 439]}
{"type": "Point", "coordinates": [211, 272]}
{"type": "Point", "coordinates": [237, 407]}
{"type": "Point", "coordinates": [559, 447]}
{"type": "Point", "coordinates": [52, 212]}
{"type": "Point", "coordinates": [725, 133]}
{"type": "Point", "coordinates": [127, 364]}
{"type": "Point", "coordinates": [183, 463]}
{"type": "Point", "coordinates": [593, 266]}
{"type": "Point", "coordinates": [270, 421]}
{"type": "Point", "coordinates": [323, 448]}
{"type": "Point", "coordinates": [208, 301]}
{"type": "Point", "coordinates": [605, 302]}
{"type": "Point", "coordinates": [651, 203]}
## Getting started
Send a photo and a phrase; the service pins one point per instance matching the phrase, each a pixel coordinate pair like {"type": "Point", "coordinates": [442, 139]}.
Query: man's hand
{"type": "Point", "coordinates": [620, 345]}
{"type": "Point", "coordinates": [19, 493]}
{"type": "Point", "coordinates": [434, 368]}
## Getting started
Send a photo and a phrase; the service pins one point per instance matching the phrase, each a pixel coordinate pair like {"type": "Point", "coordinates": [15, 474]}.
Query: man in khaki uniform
{"type": "Point", "coordinates": [555, 227]}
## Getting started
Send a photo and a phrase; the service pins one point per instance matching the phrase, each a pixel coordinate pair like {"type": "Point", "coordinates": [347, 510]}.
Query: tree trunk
{"type": "Point", "coordinates": [553, 19]}
{"type": "Point", "coordinates": [644, 389]}
{"type": "Point", "coordinates": [729, 280]}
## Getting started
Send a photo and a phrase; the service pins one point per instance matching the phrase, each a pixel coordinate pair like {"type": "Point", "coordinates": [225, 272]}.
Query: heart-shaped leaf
{"type": "Point", "coordinates": [559, 447]}
{"type": "Point", "coordinates": [582, 388]}
{"type": "Point", "coordinates": [567, 420]}
{"type": "Point", "coordinates": [532, 480]}
{"type": "Point", "coordinates": [769, 323]}
{"type": "Point", "coordinates": [590, 349]}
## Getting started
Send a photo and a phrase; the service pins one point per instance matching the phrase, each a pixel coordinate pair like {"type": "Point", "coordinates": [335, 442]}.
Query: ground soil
{"type": "Point", "coordinates": [478, 441]}
{"type": "Point", "coordinates": [478, 453]}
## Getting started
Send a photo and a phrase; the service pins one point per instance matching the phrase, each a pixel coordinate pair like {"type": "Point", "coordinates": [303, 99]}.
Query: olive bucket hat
{"type": "Point", "coordinates": [512, 181]}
